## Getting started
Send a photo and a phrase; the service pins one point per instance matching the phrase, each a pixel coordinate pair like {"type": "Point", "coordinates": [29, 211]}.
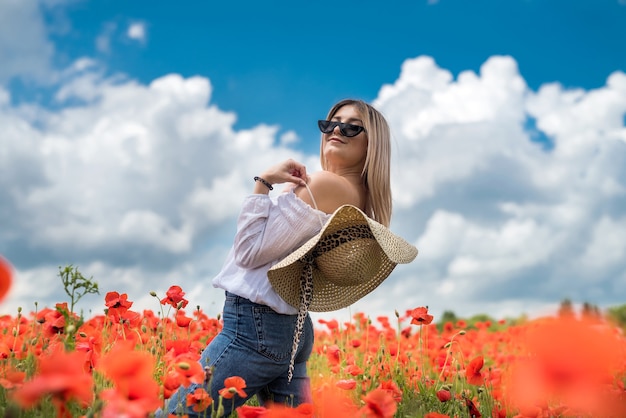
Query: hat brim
{"type": "Point", "coordinates": [349, 271]}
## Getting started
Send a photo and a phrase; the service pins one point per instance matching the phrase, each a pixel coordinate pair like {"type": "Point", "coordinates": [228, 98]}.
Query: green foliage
{"type": "Point", "coordinates": [76, 285]}
{"type": "Point", "coordinates": [566, 308]}
{"type": "Point", "coordinates": [617, 314]}
{"type": "Point", "coordinates": [447, 316]}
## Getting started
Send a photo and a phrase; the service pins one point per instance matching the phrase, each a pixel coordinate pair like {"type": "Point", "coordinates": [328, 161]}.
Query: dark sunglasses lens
{"type": "Point", "coordinates": [346, 129]}
{"type": "Point", "coordinates": [351, 130]}
{"type": "Point", "coordinates": [326, 126]}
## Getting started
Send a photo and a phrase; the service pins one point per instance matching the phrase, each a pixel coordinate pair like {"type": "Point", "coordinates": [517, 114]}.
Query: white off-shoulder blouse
{"type": "Point", "coordinates": [268, 229]}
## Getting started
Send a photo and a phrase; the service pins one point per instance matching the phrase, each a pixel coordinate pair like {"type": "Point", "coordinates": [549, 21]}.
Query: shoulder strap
{"type": "Point", "coordinates": [314, 204]}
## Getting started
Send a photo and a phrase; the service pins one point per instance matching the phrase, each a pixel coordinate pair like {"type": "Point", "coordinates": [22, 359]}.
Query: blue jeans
{"type": "Point", "coordinates": [255, 344]}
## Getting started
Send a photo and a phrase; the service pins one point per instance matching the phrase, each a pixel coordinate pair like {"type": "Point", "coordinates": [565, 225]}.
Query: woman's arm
{"type": "Point", "coordinates": [266, 230]}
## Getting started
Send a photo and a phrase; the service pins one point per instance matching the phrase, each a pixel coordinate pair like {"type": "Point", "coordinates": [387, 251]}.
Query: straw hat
{"type": "Point", "coordinates": [350, 257]}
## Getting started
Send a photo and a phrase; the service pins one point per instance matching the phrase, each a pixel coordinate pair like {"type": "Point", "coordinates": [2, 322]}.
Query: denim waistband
{"type": "Point", "coordinates": [241, 299]}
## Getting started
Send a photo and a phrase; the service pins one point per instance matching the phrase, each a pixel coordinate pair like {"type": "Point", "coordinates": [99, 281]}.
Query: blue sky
{"type": "Point", "coordinates": [133, 128]}
{"type": "Point", "coordinates": [281, 62]}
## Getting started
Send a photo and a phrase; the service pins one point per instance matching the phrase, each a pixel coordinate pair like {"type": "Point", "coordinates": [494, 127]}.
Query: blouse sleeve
{"type": "Point", "coordinates": [269, 230]}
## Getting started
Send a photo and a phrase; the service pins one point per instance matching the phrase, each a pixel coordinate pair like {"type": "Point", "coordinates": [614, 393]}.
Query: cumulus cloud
{"type": "Point", "coordinates": [137, 31]}
{"type": "Point", "coordinates": [31, 56]}
{"type": "Point", "coordinates": [105, 38]}
{"type": "Point", "coordinates": [135, 175]}
{"type": "Point", "coordinates": [497, 216]}
{"type": "Point", "coordinates": [113, 31]}
{"type": "Point", "coordinates": [140, 184]}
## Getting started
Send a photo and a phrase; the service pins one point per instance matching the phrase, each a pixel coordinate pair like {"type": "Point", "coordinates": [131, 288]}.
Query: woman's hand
{"type": "Point", "coordinates": [289, 171]}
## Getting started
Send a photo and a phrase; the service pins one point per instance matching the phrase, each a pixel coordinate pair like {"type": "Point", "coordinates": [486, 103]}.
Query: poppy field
{"type": "Point", "coordinates": [124, 363]}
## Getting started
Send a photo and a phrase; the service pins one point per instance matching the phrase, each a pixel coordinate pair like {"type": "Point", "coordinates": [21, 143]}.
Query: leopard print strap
{"type": "Point", "coordinates": [306, 280]}
{"type": "Point", "coordinates": [306, 295]}
{"type": "Point", "coordinates": [341, 236]}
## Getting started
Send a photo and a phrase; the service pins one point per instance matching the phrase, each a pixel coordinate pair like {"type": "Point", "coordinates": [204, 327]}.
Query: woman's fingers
{"type": "Point", "coordinates": [298, 172]}
{"type": "Point", "coordinates": [287, 171]}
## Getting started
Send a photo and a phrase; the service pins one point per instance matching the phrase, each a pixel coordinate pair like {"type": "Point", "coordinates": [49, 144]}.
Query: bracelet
{"type": "Point", "coordinates": [269, 186]}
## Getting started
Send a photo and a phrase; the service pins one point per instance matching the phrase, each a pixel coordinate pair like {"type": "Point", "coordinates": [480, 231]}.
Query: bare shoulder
{"type": "Point", "coordinates": [330, 192]}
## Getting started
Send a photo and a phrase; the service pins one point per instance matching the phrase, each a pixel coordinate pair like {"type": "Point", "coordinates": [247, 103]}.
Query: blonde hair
{"type": "Point", "coordinates": [376, 171]}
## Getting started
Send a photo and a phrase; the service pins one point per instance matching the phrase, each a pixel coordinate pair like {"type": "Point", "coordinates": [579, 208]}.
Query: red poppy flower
{"type": "Point", "coordinates": [6, 277]}
{"type": "Point", "coordinates": [182, 320]}
{"type": "Point", "coordinates": [130, 319]}
{"type": "Point", "coordinates": [304, 410]}
{"type": "Point", "coordinates": [135, 393]}
{"type": "Point", "coordinates": [331, 324]}
{"type": "Point", "coordinates": [247, 411]}
{"type": "Point", "coordinates": [187, 370]}
{"type": "Point", "coordinates": [174, 297]}
{"type": "Point", "coordinates": [436, 415]}
{"type": "Point", "coordinates": [276, 410]}
{"type": "Point", "coordinates": [177, 347]}
{"type": "Point", "coordinates": [5, 350]}
{"type": "Point", "coordinates": [332, 403]}
{"type": "Point", "coordinates": [406, 332]}
{"type": "Point", "coordinates": [472, 371]}
{"type": "Point", "coordinates": [391, 387]}
{"type": "Point", "coordinates": [332, 353]}
{"type": "Point", "coordinates": [199, 400]}
{"type": "Point", "coordinates": [471, 409]}
{"type": "Point", "coordinates": [115, 300]}
{"type": "Point", "coordinates": [117, 304]}
{"type": "Point", "coordinates": [91, 346]}
{"type": "Point", "coordinates": [420, 316]}
{"type": "Point", "coordinates": [54, 320]}
{"type": "Point", "coordinates": [379, 404]}
{"type": "Point", "coordinates": [131, 373]}
{"type": "Point", "coordinates": [354, 370]}
{"type": "Point", "coordinates": [566, 360]}
{"type": "Point", "coordinates": [346, 384]}
{"type": "Point", "coordinates": [134, 404]}
{"type": "Point", "coordinates": [60, 375]}
{"type": "Point", "coordinates": [233, 385]}
{"type": "Point", "coordinates": [12, 379]}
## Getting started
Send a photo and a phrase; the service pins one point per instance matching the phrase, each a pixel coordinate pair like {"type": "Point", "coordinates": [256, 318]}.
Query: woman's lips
{"type": "Point", "coordinates": [335, 139]}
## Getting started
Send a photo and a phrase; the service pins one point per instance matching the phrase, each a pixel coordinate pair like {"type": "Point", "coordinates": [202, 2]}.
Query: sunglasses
{"type": "Point", "coordinates": [346, 129]}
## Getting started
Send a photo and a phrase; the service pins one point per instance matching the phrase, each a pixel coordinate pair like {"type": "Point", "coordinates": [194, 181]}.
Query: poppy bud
{"type": "Point", "coordinates": [444, 395]}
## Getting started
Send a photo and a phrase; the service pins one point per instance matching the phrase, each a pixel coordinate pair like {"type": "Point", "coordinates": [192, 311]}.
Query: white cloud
{"type": "Point", "coordinates": [105, 38]}
{"type": "Point", "coordinates": [137, 31]}
{"type": "Point", "coordinates": [606, 246]}
{"type": "Point", "coordinates": [495, 216]}
{"type": "Point", "coordinates": [114, 32]}
{"type": "Point", "coordinates": [129, 183]}
{"type": "Point", "coordinates": [139, 185]}
{"type": "Point", "coordinates": [289, 138]}
{"type": "Point", "coordinates": [31, 56]}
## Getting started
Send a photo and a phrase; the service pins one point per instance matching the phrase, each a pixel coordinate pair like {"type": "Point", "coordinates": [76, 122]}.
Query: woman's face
{"type": "Point", "coordinates": [342, 151]}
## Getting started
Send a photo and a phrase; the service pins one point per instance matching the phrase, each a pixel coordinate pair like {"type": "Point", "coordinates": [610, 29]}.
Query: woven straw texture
{"type": "Point", "coordinates": [352, 256]}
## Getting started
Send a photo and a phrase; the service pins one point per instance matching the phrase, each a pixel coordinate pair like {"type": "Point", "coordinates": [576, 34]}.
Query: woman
{"type": "Point", "coordinates": [256, 339]}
